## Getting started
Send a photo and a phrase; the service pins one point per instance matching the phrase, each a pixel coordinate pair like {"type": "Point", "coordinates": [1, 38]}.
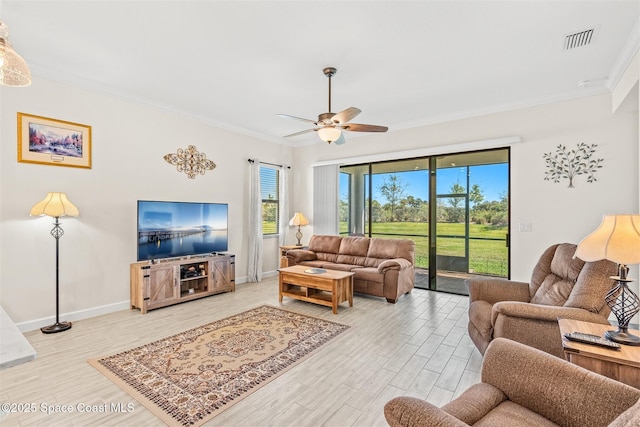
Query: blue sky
{"type": "Point", "coordinates": [492, 179]}
{"type": "Point", "coordinates": [152, 214]}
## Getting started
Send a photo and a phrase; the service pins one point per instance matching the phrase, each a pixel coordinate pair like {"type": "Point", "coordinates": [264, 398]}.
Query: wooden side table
{"type": "Point", "coordinates": [283, 254]}
{"type": "Point", "coordinates": [622, 365]}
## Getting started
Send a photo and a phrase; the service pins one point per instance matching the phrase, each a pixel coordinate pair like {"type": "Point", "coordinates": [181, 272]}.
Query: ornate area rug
{"type": "Point", "coordinates": [189, 378]}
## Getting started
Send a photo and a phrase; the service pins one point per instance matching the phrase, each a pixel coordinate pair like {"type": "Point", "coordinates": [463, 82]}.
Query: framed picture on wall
{"type": "Point", "coordinates": [53, 142]}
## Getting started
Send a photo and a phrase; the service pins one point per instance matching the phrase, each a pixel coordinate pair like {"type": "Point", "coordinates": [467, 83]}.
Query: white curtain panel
{"type": "Point", "coordinates": [283, 209]}
{"type": "Point", "coordinates": [254, 270]}
{"type": "Point", "coordinates": [325, 199]}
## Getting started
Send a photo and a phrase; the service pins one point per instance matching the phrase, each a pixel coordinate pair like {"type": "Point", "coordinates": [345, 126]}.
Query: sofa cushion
{"type": "Point", "coordinates": [509, 414]}
{"type": "Point", "coordinates": [369, 274]}
{"type": "Point", "coordinates": [476, 402]}
{"type": "Point", "coordinates": [592, 283]}
{"type": "Point", "coordinates": [383, 249]}
{"type": "Point", "coordinates": [629, 418]}
{"type": "Point", "coordinates": [301, 255]}
{"type": "Point", "coordinates": [353, 250]}
{"type": "Point", "coordinates": [564, 264]}
{"type": "Point", "coordinates": [325, 247]}
{"type": "Point", "coordinates": [558, 284]}
{"type": "Point", "coordinates": [480, 317]}
{"type": "Point", "coordinates": [314, 263]}
{"type": "Point", "coordinates": [338, 266]}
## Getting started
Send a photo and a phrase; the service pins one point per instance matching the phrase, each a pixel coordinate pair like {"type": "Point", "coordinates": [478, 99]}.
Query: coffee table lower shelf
{"type": "Point", "coordinates": [329, 289]}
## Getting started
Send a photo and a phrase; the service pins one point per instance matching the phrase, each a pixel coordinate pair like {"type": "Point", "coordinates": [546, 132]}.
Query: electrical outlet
{"type": "Point", "coordinates": [525, 227]}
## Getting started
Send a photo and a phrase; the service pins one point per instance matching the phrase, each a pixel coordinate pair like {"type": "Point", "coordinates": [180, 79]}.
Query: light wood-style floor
{"type": "Point", "coordinates": [418, 347]}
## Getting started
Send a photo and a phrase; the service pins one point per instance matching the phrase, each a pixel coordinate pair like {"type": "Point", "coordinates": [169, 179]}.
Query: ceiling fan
{"type": "Point", "coordinates": [330, 125]}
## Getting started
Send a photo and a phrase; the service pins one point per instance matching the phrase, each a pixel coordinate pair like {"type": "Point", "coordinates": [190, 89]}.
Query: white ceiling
{"type": "Point", "coordinates": [237, 64]}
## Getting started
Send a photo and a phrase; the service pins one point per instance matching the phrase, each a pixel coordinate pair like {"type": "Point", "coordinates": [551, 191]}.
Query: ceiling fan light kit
{"type": "Point", "coordinates": [330, 125]}
{"type": "Point", "coordinates": [329, 134]}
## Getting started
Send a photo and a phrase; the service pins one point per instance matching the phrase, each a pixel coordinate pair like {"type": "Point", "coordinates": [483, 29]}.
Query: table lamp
{"type": "Point", "coordinates": [56, 205]}
{"type": "Point", "coordinates": [617, 239]}
{"type": "Point", "coordinates": [299, 219]}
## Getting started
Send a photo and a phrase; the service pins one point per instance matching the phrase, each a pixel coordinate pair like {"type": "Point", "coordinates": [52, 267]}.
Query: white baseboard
{"type": "Point", "coordinates": [32, 325]}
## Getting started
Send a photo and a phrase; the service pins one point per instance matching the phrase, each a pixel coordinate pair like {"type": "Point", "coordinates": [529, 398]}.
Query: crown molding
{"type": "Point", "coordinates": [628, 52]}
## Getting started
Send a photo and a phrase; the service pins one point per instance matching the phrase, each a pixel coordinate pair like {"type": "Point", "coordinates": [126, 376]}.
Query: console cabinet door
{"type": "Point", "coordinates": [162, 285]}
{"type": "Point", "coordinates": [221, 274]}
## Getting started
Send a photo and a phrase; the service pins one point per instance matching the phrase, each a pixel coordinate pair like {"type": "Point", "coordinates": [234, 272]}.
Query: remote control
{"type": "Point", "coordinates": [592, 339]}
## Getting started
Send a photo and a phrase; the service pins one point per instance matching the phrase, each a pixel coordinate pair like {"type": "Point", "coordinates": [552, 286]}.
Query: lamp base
{"type": "Point", "coordinates": [56, 327]}
{"type": "Point", "coordinates": [622, 336]}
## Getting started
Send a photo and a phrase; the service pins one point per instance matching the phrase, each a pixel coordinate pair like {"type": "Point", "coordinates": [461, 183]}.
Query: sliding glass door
{"type": "Point", "coordinates": [472, 214]}
{"type": "Point", "coordinates": [455, 207]}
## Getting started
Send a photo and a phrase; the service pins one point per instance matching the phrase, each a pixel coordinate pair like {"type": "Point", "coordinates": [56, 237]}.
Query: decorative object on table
{"type": "Point", "coordinates": [190, 161]}
{"type": "Point", "coordinates": [315, 270]}
{"type": "Point", "coordinates": [13, 69]}
{"type": "Point", "coordinates": [56, 205]}
{"type": "Point", "coordinates": [330, 125]}
{"type": "Point", "coordinates": [570, 163]}
{"type": "Point", "coordinates": [299, 220]}
{"type": "Point", "coordinates": [189, 378]}
{"type": "Point", "coordinates": [53, 142]}
{"type": "Point", "coordinates": [617, 239]}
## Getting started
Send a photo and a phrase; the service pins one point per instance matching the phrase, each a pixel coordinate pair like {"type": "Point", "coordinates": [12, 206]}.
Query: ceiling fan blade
{"type": "Point", "coordinates": [300, 133]}
{"type": "Point", "coordinates": [340, 140]}
{"type": "Point", "coordinates": [345, 115]}
{"type": "Point", "coordinates": [287, 116]}
{"type": "Point", "coordinates": [356, 127]}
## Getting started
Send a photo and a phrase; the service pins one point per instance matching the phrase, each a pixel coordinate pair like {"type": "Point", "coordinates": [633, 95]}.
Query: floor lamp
{"type": "Point", "coordinates": [56, 205]}
{"type": "Point", "coordinates": [618, 240]}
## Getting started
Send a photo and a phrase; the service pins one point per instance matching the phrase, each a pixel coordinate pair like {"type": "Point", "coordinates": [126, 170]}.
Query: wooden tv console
{"type": "Point", "coordinates": [159, 283]}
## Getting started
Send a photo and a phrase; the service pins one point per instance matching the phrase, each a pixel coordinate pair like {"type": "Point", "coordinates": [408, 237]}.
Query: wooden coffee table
{"type": "Point", "coordinates": [329, 288]}
{"type": "Point", "coordinates": [622, 365]}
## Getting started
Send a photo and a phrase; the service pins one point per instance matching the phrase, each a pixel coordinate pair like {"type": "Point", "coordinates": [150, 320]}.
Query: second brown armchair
{"type": "Point", "coordinates": [561, 286]}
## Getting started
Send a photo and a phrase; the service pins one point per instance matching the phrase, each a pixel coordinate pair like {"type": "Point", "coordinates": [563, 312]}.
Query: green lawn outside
{"type": "Point", "coordinates": [485, 256]}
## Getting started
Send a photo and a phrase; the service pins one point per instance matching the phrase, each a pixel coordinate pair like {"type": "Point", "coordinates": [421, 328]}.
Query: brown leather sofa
{"type": "Point", "coordinates": [522, 386]}
{"type": "Point", "coordinates": [561, 286]}
{"type": "Point", "coordinates": [382, 267]}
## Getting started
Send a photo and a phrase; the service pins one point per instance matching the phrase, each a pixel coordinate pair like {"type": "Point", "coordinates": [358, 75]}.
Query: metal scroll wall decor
{"type": "Point", "coordinates": [190, 161]}
{"type": "Point", "coordinates": [567, 164]}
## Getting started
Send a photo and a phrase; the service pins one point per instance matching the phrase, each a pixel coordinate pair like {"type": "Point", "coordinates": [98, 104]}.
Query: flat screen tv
{"type": "Point", "coordinates": [178, 229]}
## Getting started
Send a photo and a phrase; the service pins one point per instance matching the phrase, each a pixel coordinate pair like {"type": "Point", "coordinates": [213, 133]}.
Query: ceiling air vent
{"type": "Point", "coordinates": [581, 38]}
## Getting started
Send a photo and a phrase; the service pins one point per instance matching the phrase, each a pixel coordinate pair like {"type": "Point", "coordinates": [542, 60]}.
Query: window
{"type": "Point", "coordinates": [454, 206]}
{"type": "Point", "coordinates": [269, 186]}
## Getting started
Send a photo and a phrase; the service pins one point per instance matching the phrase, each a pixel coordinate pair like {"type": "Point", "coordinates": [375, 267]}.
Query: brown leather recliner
{"type": "Point", "coordinates": [561, 286]}
{"type": "Point", "coordinates": [522, 386]}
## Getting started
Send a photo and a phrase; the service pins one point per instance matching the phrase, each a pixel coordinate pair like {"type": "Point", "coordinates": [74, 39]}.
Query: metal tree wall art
{"type": "Point", "coordinates": [569, 163]}
{"type": "Point", "coordinates": [190, 161]}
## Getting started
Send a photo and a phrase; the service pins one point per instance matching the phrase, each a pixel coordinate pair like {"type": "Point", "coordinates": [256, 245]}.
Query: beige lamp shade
{"type": "Point", "coordinates": [299, 219]}
{"type": "Point", "coordinates": [54, 205]}
{"type": "Point", "coordinates": [13, 69]}
{"type": "Point", "coordinates": [617, 239]}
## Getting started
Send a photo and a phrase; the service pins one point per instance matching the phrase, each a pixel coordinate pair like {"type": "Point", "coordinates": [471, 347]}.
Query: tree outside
{"type": "Point", "coordinates": [398, 213]}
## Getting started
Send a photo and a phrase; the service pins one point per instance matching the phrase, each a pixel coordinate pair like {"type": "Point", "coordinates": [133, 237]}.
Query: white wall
{"type": "Point", "coordinates": [557, 213]}
{"type": "Point", "coordinates": [129, 142]}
